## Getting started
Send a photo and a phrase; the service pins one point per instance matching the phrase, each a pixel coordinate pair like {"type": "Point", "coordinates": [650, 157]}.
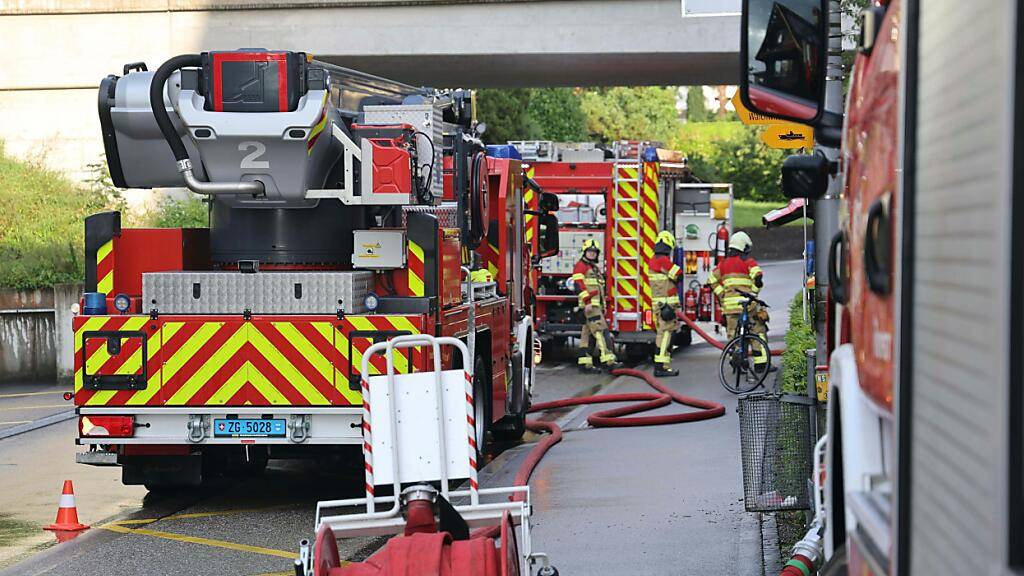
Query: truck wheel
{"type": "Point", "coordinates": [512, 427]}
{"type": "Point", "coordinates": [481, 406]}
{"type": "Point", "coordinates": [683, 337]}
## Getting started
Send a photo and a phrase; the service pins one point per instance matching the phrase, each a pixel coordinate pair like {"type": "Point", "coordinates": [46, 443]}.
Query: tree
{"type": "Point", "coordinates": [558, 113]}
{"type": "Point", "coordinates": [734, 153]}
{"type": "Point", "coordinates": [506, 114]}
{"type": "Point", "coordinates": [696, 109]}
{"type": "Point", "coordinates": [623, 113]}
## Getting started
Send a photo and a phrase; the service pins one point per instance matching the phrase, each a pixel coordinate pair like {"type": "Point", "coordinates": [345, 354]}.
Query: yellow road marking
{"type": "Point", "coordinates": [23, 394]}
{"type": "Point", "coordinates": [36, 407]}
{"type": "Point", "coordinates": [115, 527]}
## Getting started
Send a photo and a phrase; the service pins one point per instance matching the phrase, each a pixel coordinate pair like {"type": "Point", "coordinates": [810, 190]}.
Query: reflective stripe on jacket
{"type": "Point", "coordinates": [733, 274]}
{"type": "Point", "coordinates": [664, 275]}
{"type": "Point", "coordinates": [587, 280]}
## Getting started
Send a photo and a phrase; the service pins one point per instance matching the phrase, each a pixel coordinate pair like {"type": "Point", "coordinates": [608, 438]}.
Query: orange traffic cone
{"type": "Point", "coordinates": [67, 513]}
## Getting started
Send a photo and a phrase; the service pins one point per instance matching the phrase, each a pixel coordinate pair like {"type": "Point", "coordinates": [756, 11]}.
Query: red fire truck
{"type": "Point", "coordinates": [345, 209]}
{"type": "Point", "coordinates": [622, 198]}
{"type": "Point", "coordinates": [924, 455]}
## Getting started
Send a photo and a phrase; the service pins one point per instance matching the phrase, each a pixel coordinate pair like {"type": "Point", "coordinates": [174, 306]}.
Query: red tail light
{"type": "Point", "coordinates": [106, 426]}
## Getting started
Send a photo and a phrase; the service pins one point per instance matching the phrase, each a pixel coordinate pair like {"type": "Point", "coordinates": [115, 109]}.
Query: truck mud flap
{"type": "Point", "coordinates": [162, 470]}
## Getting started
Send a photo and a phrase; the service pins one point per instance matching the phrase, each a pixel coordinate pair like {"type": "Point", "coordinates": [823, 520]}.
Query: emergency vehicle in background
{"type": "Point", "coordinates": [344, 208]}
{"type": "Point", "coordinates": [622, 198]}
{"type": "Point", "coordinates": [923, 463]}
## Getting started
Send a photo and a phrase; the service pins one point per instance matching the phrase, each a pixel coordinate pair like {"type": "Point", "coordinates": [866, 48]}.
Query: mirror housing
{"type": "Point", "coordinates": [548, 202]}
{"type": "Point", "coordinates": [783, 55]}
{"type": "Point", "coordinates": [547, 239]}
{"type": "Point", "coordinates": [805, 176]}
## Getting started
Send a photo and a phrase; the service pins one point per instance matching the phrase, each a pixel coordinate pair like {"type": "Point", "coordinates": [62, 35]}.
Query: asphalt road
{"type": "Point", "coordinates": [659, 500]}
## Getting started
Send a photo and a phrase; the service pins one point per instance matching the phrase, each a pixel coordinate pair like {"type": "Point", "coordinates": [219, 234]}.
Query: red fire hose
{"type": "Point", "coordinates": [713, 341]}
{"type": "Point", "coordinates": [611, 418]}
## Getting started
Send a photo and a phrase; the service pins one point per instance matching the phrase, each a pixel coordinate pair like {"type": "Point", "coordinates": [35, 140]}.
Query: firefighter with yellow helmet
{"type": "Point", "coordinates": [588, 281]}
{"type": "Point", "coordinates": [664, 275]}
{"type": "Point", "coordinates": [737, 273]}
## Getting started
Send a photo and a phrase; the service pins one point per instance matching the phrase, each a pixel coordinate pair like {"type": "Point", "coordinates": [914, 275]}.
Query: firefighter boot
{"type": "Point", "coordinates": [664, 372]}
{"type": "Point", "coordinates": [608, 358]}
{"type": "Point", "coordinates": [586, 363]}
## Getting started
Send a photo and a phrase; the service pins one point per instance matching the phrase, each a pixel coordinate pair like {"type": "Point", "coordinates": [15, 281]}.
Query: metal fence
{"type": "Point", "coordinates": [776, 446]}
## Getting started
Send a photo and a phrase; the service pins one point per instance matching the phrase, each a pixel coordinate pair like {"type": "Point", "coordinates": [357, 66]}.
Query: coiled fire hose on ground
{"type": "Point", "coordinates": [611, 418]}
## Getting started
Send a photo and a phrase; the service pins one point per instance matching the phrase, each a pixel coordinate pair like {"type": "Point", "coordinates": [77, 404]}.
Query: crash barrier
{"type": "Point", "coordinates": [776, 448]}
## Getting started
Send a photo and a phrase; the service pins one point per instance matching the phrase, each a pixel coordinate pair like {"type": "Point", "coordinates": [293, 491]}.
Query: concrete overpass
{"type": "Point", "coordinates": [57, 50]}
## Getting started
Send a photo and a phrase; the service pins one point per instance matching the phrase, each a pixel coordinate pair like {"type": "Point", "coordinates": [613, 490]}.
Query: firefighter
{"type": "Point", "coordinates": [740, 272]}
{"type": "Point", "coordinates": [664, 275]}
{"type": "Point", "coordinates": [588, 280]}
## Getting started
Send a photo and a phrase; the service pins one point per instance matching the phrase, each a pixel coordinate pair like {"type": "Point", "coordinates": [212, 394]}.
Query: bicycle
{"type": "Point", "coordinates": [737, 370]}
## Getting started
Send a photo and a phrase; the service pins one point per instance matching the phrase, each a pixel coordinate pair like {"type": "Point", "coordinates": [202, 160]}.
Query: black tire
{"type": "Point", "coordinates": [683, 338]}
{"type": "Point", "coordinates": [481, 407]}
{"type": "Point", "coordinates": [737, 374]}
{"type": "Point", "coordinates": [512, 427]}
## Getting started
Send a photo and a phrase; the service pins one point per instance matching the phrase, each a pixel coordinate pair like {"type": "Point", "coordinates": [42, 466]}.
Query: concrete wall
{"type": "Point", "coordinates": [36, 342]}
{"type": "Point", "coordinates": [56, 51]}
{"type": "Point", "coordinates": [27, 339]}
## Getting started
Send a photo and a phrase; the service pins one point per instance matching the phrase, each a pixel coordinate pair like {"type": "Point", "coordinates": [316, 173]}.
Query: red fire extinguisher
{"type": "Point", "coordinates": [721, 241]}
{"type": "Point", "coordinates": [705, 302]}
{"type": "Point", "coordinates": [690, 300]}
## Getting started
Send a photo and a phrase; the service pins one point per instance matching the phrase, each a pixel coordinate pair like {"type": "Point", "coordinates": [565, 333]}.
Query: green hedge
{"type": "Point", "coordinates": [799, 338]}
{"type": "Point", "coordinates": [41, 225]}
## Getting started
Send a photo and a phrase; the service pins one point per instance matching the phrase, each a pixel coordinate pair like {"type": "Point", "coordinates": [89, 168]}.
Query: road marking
{"type": "Point", "coordinates": [115, 527]}
{"type": "Point", "coordinates": [15, 422]}
{"type": "Point", "coordinates": [23, 394]}
{"type": "Point", "coordinates": [38, 407]}
{"type": "Point", "coordinates": [193, 515]}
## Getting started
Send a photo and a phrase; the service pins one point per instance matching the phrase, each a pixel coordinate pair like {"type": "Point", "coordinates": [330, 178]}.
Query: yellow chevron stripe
{"type": "Point", "coordinates": [401, 363]}
{"type": "Point", "coordinates": [630, 270]}
{"type": "Point", "coordinates": [627, 230]}
{"type": "Point", "coordinates": [92, 324]}
{"type": "Point", "coordinates": [209, 368]}
{"type": "Point", "coordinates": [630, 171]}
{"type": "Point", "coordinates": [153, 384]}
{"type": "Point", "coordinates": [306, 348]}
{"type": "Point", "coordinates": [628, 189]}
{"type": "Point", "coordinates": [628, 208]}
{"type": "Point", "coordinates": [285, 367]}
{"type": "Point", "coordinates": [416, 285]}
{"type": "Point", "coordinates": [98, 358]}
{"type": "Point", "coordinates": [628, 247]}
{"type": "Point", "coordinates": [264, 386]}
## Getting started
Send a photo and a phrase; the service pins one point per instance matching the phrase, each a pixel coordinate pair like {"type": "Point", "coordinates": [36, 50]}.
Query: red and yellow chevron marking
{"type": "Point", "coordinates": [491, 256]}
{"type": "Point", "coordinates": [417, 270]}
{"type": "Point", "coordinates": [530, 201]}
{"type": "Point", "coordinates": [105, 268]}
{"type": "Point", "coordinates": [220, 361]}
{"type": "Point", "coordinates": [626, 244]}
{"type": "Point", "coordinates": [649, 229]}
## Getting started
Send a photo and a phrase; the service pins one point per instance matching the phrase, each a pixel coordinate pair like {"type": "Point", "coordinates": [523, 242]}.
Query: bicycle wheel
{"type": "Point", "coordinates": [736, 367]}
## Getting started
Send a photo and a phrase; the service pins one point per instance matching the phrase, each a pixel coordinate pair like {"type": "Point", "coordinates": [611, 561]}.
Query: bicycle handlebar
{"type": "Point", "coordinates": [750, 297]}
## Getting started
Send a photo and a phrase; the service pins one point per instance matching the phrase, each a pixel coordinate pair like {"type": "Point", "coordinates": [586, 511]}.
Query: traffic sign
{"type": "Point", "coordinates": [748, 117]}
{"type": "Point", "coordinates": [788, 135]}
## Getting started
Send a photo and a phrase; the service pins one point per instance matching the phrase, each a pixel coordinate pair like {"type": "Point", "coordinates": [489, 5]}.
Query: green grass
{"type": "Point", "coordinates": [41, 225]}
{"type": "Point", "coordinates": [13, 529]}
{"type": "Point", "coordinates": [748, 213]}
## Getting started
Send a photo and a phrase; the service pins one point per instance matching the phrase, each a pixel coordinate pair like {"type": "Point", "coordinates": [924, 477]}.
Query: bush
{"type": "Point", "coordinates": [42, 225]}
{"type": "Point", "coordinates": [186, 213]}
{"type": "Point", "coordinates": [799, 338]}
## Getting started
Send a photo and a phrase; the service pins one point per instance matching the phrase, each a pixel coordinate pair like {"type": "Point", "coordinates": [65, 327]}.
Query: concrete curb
{"type": "Point", "coordinates": [771, 559]}
{"type": "Point", "coordinates": [36, 424]}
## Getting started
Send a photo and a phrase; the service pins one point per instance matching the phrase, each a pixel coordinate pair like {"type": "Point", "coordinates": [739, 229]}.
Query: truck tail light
{"type": "Point", "coordinates": [106, 426]}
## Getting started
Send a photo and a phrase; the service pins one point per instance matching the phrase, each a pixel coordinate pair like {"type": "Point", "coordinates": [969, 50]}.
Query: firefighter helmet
{"type": "Point", "coordinates": [666, 238]}
{"type": "Point", "coordinates": [740, 241]}
{"type": "Point", "coordinates": [590, 244]}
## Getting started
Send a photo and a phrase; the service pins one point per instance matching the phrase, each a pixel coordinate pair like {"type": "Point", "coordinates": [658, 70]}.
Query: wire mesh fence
{"type": "Point", "coordinates": [775, 445]}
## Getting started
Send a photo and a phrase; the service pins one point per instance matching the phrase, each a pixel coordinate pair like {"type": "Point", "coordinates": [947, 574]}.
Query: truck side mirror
{"type": "Point", "coordinates": [805, 176]}
{"type": "Point", "coordinates": [548, 202]}
{"type": "Point", "coordinates": [784, 52]}
{"type": "Point", "coordinates": [548, 237]}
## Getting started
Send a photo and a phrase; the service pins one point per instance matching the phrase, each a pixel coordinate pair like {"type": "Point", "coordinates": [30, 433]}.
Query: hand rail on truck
{"type": "Point", "coordinates": [371, 522]}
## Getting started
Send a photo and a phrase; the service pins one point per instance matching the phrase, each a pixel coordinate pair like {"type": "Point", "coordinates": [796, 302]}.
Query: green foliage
{"type": "Point", "coordinates": [506, 113]}
{"type": "Point", "coordinates": [41, 225]}
{"type": "Point", "coordinates": [799, 338]}
{"type": "Point", "coordinates": [637, 113]}
{"type": "Point", "coordinates": [696, 110]}
{"type": "Point", "coordinates": [732, 152]}
{"type": "Point", "coordinates": [558, 113]}
{"type": "Point", "coordinates": [187, 213]}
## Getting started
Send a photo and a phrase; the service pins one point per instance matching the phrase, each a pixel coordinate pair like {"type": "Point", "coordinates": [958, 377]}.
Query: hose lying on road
{"type": "Point", "coordinates": [612, 418]}
{"type": "Point", "coordinates": [712, 340]}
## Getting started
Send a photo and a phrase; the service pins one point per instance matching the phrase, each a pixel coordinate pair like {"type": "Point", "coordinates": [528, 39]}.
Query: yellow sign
{"type": "Point", "coordinates": [748, 117]}
{"type": "Point", "coordinates": [821, 385]}
{"type": "Point", "coordinates": [788, 135]}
